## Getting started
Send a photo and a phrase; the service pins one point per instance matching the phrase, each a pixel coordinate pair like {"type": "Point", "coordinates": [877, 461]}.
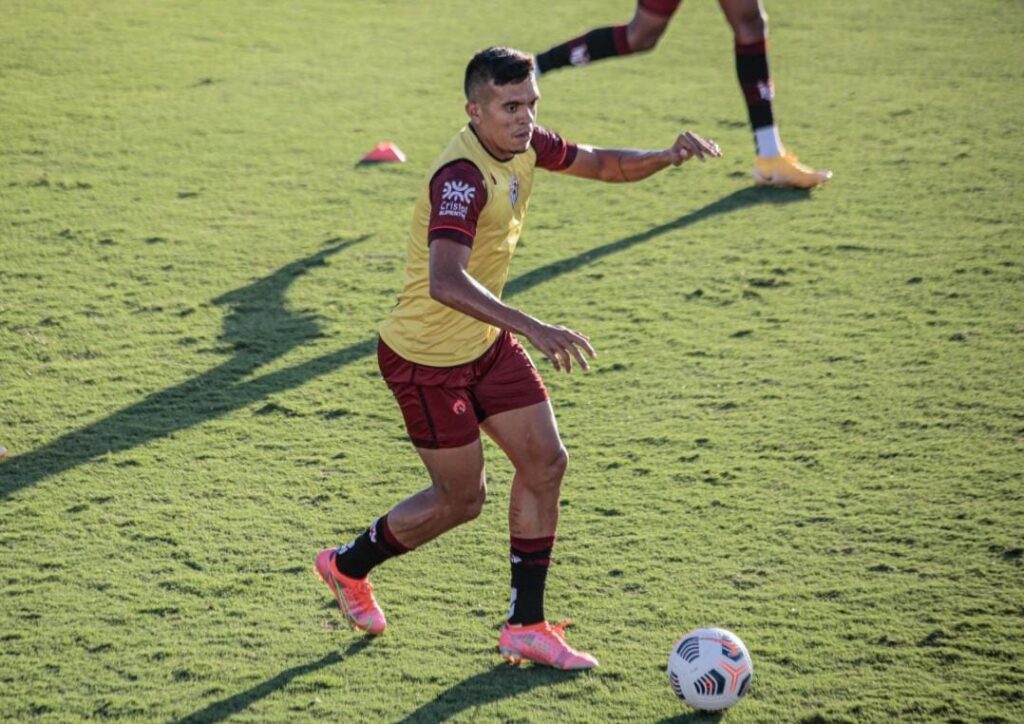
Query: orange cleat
{"type": "Point", "coordinates": [354, 595]}
{"type": "Point", "coordinates": [544, 644]}
{"type": "Point", "coordinates": [786, 171]}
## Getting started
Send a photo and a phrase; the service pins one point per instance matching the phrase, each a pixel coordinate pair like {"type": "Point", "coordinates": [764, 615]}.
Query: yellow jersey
{"type": "Point", "coordinates": [475, 199]}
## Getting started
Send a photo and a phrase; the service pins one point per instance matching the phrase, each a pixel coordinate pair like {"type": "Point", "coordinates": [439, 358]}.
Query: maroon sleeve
{"type": "Point", "coordinates": [553, 152]}
{"type": "Point", "coordinates": [457, 195]}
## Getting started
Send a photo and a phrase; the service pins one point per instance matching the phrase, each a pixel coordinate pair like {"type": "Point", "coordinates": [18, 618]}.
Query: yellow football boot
{"type": "Point", "coordinates": [786, 171]}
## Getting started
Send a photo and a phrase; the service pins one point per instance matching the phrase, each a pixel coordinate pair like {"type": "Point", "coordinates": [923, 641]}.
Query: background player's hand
{"type": "Point", "coordinates": [561, 344]}
{"type": "Point", "coordinates": [689, 144]}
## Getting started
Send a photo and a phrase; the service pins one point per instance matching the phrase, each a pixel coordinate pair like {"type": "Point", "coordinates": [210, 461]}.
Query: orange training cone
{"type": "Point", "coordinates": [386, 152]}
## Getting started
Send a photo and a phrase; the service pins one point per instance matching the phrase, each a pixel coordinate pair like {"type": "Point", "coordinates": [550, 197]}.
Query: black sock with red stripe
{"type": "Point", "coordinates": [595, 45]}
{"type": "Point", "coordinates": [369, 550]}
{"type": "Point", "coordinates": [530, 558]}
{"type": "Point", "coordinates": [756, 82]}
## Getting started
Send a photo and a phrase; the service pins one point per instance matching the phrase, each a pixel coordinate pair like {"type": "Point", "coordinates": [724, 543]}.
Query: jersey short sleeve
{"type": "Point", "coordinates": [457, 195]}
{"type": "Point", "coordinates": [554, 153]}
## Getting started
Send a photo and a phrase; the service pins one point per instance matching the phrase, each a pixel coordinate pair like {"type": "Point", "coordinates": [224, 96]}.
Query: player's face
{"type": "Point", "coordinates": [504, 116]}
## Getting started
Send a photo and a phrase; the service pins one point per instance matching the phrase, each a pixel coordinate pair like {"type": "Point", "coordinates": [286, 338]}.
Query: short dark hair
{"type": "Point", "coordinates": [500, 65]}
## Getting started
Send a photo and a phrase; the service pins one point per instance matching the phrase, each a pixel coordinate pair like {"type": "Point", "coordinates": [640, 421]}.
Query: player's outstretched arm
{"type": "Point", "coordinates": [453, 286]}
{"type": "Point", "coordinates": [619, 165]}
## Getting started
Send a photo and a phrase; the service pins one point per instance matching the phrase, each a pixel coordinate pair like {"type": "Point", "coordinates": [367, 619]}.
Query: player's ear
{"type": "Point", "coordinates": [473, 110]}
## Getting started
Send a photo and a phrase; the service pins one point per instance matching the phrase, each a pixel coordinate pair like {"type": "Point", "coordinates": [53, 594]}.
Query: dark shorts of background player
{"type": "Point", "coordinates": [444, 406]}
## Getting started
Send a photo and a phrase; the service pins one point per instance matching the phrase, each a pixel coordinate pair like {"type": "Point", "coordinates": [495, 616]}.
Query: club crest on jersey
{"type": "Point", "coordinates": [513, 190]}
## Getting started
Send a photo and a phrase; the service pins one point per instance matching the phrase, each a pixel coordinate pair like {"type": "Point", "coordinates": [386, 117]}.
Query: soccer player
{"type": "Point", "coordinates": [774, 165]}
{"type": "Point", "coordinates": [449, 352]}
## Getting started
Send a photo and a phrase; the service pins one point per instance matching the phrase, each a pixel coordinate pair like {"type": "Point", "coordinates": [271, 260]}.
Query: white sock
{"type": "Point", "coordinates": [767, 141]}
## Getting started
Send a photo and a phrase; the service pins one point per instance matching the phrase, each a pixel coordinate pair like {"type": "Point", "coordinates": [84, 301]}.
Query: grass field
{"type": "Point", "coordinates": [805, 424]}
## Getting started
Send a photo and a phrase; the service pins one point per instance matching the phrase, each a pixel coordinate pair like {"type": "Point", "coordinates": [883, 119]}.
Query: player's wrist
{"type": "Point", "coordinates": [529, 326]}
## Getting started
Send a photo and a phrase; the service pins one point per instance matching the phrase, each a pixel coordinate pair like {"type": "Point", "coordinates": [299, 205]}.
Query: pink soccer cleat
{"type": "Point", "coordinates": [354, 595]}
{"type": "Point", "coordinates": [544, 644]}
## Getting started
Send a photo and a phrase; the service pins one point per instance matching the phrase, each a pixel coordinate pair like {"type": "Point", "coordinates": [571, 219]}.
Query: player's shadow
{"type": "Point", "coordinates": [260, 329]}
{"type": "Point", "coordinates": [501, 682]}
{"type": "Point", "coordinates": [735, 201]}
{"type": "Point", "coordinates": [221, 710]}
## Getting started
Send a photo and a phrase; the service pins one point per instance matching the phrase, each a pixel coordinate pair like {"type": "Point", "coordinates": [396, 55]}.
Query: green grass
{"type": "Point", "coordinates": [805, 423]}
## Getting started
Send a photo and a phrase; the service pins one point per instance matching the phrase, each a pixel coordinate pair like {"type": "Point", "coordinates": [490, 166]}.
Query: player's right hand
{"type": "Point", "coordinates": [561, 345]}
{"type": "Point", "coordinates": [689, 144]}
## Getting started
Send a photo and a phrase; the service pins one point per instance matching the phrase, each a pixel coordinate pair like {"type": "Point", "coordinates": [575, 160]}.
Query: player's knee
{"type": "Point", "coordinates": [751, 27]}
{"type": "Point", "coordinates": [475, 506]}
{"type": "Point", "coordinates": [559, 463]}
{"type": "Point", "coordinates": [642, 37]}
{"type": "Point", "coordinates": [550, 469]}
{"type": "Point", "coordinates": [468, 506]}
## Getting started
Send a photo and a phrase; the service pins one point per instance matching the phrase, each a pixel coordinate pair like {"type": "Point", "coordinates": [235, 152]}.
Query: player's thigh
{"type": "Point", "coordinates": [528, 436]}
{"type": "Point", "coordinates": [457, 473]}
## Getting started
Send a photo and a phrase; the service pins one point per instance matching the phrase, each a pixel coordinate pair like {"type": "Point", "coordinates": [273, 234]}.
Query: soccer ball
{"type": "Point", "coordinates": [710, 669]}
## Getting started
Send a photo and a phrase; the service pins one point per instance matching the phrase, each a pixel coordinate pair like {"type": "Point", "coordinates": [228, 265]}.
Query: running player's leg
{"type": "Point", "coordinates": [774, 166]}
{"type": "Point", "coordinates": [443, 425]}
{"type": "Point", "coordinates": [642, 33]}
{"type": "Point", "coordinates": [455, 496]}
{"type": "Point", "coordinates": [529, 436]}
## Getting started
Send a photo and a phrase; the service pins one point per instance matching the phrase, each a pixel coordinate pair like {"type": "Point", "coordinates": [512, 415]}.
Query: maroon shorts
{"type": "Point", "coordinates": [444, 406]}
{"type": "Point", "coordinates": [665, 8]}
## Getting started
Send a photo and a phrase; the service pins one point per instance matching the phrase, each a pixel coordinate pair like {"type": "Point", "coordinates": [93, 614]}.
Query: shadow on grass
{"type": "Point", "coordinates": [260, 329]}
{"type": "Point", "coordinates": [735, 201]}
{"type": "Point", "coordinates": [694, 717]}
{"type": "Point", "coordinates": [221, 710]}
{"type": "Point", "coordinates": [501, 682]}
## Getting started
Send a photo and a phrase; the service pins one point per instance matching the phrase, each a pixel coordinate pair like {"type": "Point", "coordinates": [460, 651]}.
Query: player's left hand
{"type": "Point", "coordinates": [690, 145]}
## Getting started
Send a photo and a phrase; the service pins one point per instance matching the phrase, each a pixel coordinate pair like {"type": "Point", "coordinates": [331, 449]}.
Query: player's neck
{"type": "Point", "coordinates": [495, 153]}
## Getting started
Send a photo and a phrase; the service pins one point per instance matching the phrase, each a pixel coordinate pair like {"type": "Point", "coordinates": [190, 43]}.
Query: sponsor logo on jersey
{"type": "Point", "coordinates": [457, 191]}
{"type": "Point", "coordinates": [455, 199]}
{"type": "Point", "coordinates": [513, 190]}
{"type": "Point", "coordinates": [459, 407]}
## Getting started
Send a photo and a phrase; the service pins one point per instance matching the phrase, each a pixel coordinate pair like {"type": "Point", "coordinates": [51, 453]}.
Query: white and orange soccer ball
{"type": "Point", "coordinates": [710, 669]}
